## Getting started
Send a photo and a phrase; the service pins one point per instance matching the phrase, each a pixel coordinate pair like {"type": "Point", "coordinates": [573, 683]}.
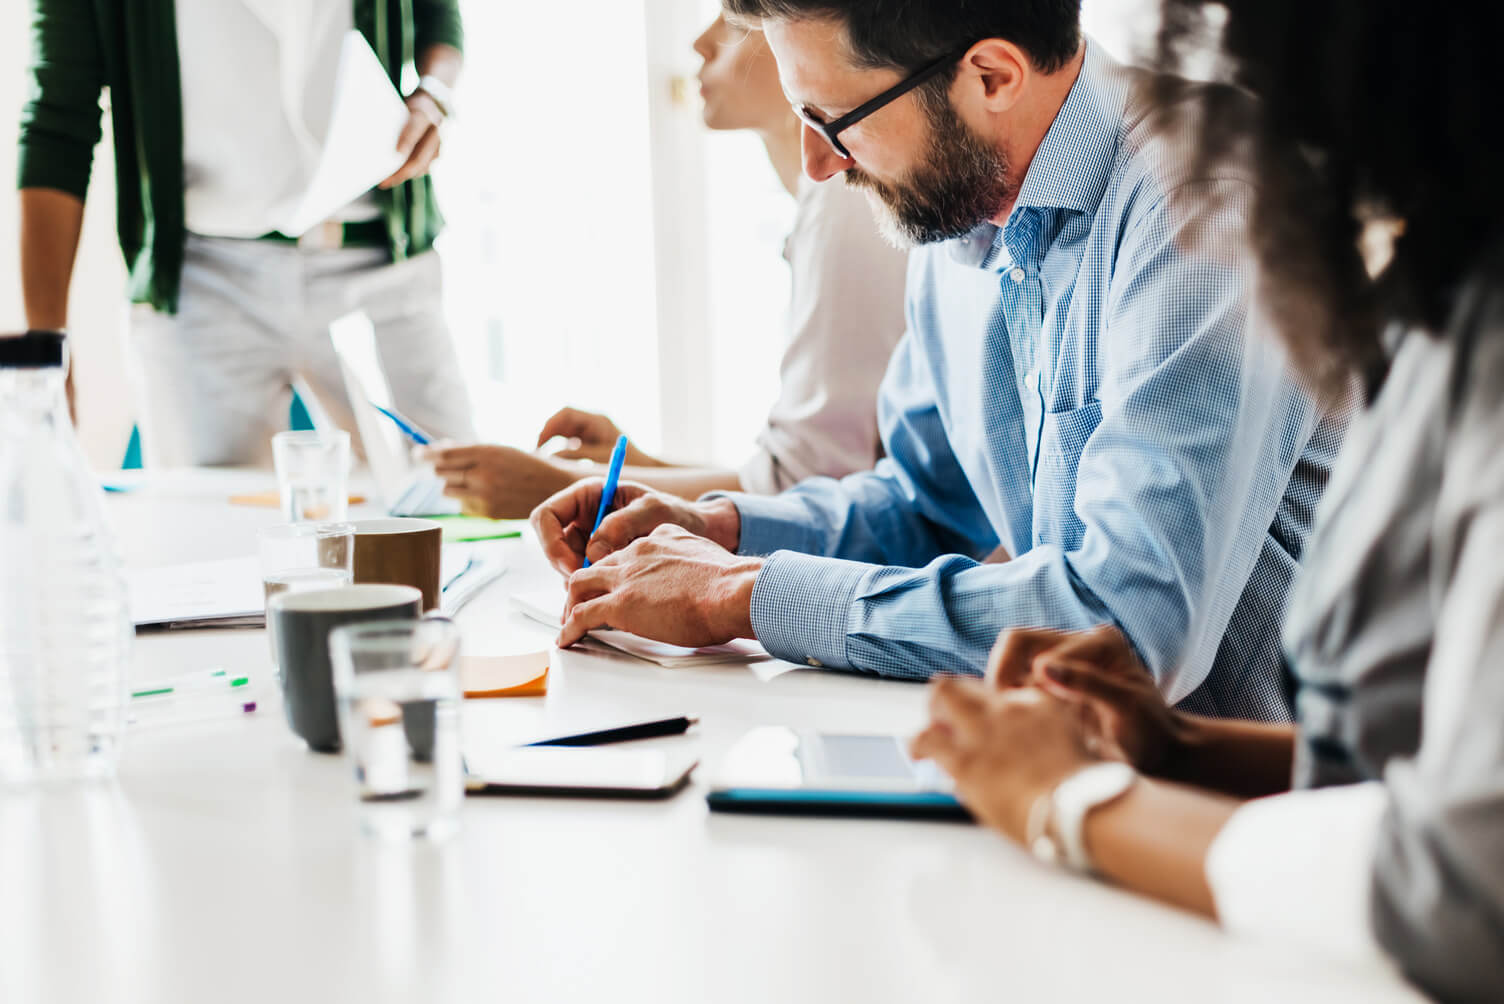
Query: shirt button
{"type": "Point", "coordinates": [1017, 275]}
{"type": "Point", "coordinates": [816, 663]}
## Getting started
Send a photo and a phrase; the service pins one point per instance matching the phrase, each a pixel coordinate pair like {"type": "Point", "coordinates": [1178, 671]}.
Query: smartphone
{"type": "Point", "coordinates": [578, 772]}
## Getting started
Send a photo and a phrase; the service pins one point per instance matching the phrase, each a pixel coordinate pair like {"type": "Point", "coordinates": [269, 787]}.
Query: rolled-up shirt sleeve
{"type": "Point", "coordinates": [60, 122]}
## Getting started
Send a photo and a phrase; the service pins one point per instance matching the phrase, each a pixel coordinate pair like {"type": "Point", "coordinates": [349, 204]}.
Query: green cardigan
{"type": "Point", "coordinates": [79, 47]}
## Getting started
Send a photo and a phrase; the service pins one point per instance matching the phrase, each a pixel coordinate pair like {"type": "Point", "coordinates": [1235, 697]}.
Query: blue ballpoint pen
{"type": "Point", "coordinates": [608, 490]}
{"type": "Point", "coordinates": [410, 430]}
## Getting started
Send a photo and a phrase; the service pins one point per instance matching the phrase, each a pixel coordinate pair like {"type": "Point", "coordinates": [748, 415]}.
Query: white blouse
{"type": "Point", "coordinates": [257, 79]}
{"type": "Point", "coordinates": [846, 315]}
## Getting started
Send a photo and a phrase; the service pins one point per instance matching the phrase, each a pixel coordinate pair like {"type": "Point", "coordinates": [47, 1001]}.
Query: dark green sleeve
{"type": "Point", "coordinates": [437, 22]}
{"type": "Point", "coordinates": [60, 120]}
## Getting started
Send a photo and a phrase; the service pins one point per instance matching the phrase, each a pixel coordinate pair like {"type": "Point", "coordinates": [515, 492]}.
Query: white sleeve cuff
{"type": "Point", "coordinates": [1297, 868]}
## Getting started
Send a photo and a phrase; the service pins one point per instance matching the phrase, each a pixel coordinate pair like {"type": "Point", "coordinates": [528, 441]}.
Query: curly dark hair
{"type": "Point", "coordinates": [1367, 110]}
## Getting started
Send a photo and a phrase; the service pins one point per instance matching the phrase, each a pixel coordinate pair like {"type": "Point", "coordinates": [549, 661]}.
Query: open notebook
{"type": "Point", "coordinates": [547, 607]}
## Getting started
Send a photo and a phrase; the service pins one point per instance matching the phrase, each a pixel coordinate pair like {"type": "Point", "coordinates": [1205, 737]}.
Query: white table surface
{"type": "Point", "coordinates": [224, 863]}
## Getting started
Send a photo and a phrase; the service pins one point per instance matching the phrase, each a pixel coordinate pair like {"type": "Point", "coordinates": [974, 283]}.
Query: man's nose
{"type": "Point", "coordinates": [821, 162]}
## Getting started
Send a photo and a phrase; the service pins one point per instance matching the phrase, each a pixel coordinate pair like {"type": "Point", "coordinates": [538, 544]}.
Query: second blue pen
{"type": "Point", "coordinates": [608, 490]}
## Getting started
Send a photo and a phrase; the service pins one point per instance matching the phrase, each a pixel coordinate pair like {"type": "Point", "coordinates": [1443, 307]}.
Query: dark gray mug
{"type": "Point", "coordinates": [303, 622]}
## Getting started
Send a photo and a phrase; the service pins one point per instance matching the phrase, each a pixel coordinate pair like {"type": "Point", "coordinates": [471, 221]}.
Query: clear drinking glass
{"type": "Point", "coordinates": [297, 557]}
{"type": "Point", "coordinates": [397, 687]}
{"type": "Point", "coordinates": [313, 472]}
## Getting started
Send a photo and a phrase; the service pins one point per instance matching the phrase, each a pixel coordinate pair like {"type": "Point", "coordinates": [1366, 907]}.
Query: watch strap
{"type": "Point", "coordinates": [1074, 799]}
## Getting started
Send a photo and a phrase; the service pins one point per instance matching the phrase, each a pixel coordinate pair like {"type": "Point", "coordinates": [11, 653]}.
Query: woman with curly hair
{"type": "Point", "coordinates": [1374, 826]}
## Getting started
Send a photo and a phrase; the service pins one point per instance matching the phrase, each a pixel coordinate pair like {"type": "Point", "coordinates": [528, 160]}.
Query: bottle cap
{"type": "Point", "coordinates": [33, 350]}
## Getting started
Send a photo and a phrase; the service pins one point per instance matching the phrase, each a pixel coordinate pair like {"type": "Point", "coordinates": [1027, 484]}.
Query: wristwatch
{"type": "Point", "coordinates": [1057, 821]}
{"type": "Point", "coordinates": [442, 93]}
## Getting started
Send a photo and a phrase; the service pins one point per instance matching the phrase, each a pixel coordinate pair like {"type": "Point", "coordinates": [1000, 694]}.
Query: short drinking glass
{"type": "Point", "coordinates": [313, 472]}
{"type": "Point", "coordinates": [297, 557]}
{"type": "Point", "coordinates": [397, 687]}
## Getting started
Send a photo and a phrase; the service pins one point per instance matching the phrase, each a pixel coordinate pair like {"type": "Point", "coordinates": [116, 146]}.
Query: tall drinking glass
{"type": "Point", "coordinates": [313, 473]}
{"type": "Point", "coordinates": [397, 687]}
{"type": "Point", "coordinates": [297, 557]}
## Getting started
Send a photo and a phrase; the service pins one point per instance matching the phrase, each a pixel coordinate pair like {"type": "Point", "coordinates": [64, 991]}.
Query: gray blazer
{"type": "Point", "coordinates": [1396, 635]}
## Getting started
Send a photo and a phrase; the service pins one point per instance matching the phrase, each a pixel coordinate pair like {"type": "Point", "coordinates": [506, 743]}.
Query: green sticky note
{"type": "Point", "coordinates": [459, 529]}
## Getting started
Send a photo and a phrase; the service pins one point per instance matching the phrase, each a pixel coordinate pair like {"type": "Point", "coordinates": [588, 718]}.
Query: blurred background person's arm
{"type": "Point", "coordinates": [439, 39]}
{"type": "Point", "coordinates": [60, 126]}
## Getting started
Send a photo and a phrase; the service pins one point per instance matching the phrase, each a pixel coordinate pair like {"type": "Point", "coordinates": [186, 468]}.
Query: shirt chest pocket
{"type": "Point", "coordinates": [1062, 437]}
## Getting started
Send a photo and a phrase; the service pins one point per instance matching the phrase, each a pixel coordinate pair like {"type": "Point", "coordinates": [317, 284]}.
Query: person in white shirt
{"type": "Point", "coordinates": [1374, 827]}
{"type": "Point", "coordinates": [222, 114]}
{"type": "Point", "coordinates": [845, 317]}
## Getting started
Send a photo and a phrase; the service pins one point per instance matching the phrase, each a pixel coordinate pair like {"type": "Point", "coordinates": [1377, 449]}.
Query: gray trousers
{"type": "Point", "coordinates": [214, 380]}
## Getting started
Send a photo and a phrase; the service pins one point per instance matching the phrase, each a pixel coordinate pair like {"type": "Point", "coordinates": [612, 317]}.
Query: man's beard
{"type": "Point", "coordinates": [961, 183]}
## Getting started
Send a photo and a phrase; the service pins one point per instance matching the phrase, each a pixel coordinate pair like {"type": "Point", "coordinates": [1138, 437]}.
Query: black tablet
{"type": "Point", "coordinates": [782, 771]}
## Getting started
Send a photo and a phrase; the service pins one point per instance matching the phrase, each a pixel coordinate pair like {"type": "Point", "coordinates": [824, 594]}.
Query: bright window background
{"type": "Point", "coordinates": [545, 181]}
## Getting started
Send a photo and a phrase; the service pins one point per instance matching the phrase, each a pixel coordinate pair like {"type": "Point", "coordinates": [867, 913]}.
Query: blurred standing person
{"type": "Point", "coordinates": [220, 111]}
{"type": "Point", "coordinates": [845, 316]}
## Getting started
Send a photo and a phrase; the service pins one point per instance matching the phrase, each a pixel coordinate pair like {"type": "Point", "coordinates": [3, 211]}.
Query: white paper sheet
{"type": "Point", "coordinates": [547, 607]}
{"type": "Point", "coordinates": [361, 147]}
{"type": "Point", "coordinates": [204, 592]}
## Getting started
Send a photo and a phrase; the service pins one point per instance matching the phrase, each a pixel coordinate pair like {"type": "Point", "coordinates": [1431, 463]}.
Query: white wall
{"type": "Point", "coordinates": [95, 306]}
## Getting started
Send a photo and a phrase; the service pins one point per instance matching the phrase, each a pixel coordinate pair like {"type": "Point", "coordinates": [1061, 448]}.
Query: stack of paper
{"type": "Point", "coordinates": [226, 593]}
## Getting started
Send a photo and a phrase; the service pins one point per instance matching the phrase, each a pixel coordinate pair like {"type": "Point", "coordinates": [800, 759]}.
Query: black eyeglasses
{"type": "Point", "coordinates": [832, 130]}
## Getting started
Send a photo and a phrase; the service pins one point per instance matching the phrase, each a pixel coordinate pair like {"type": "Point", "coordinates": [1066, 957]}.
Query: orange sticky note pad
{"type": "Point", "coordinates": [272, 500]}
{"type": "Point", "coordinates": [505, 675]}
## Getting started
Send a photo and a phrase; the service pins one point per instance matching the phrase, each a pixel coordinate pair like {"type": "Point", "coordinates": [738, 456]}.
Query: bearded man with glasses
{"type": "Point", "coordinates": [1075, 386]}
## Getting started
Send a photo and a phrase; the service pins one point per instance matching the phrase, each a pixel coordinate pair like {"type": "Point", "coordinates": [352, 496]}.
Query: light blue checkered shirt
{"type": "Point", "coordinates": [1069, 387]}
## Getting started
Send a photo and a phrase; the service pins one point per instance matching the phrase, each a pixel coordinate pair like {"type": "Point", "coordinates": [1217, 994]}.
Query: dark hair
{"type": "Point", "coordinates": [906, 34]}
{"type": "Point", "coordinates": [1367, 109]}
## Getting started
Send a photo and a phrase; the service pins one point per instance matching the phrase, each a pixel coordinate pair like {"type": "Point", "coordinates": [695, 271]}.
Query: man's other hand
{"type": "Point", "coordinates": [671, 586]}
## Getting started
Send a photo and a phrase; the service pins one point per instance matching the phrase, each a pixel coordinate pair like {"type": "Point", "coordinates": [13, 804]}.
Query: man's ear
{"type": "Point", "coordinates": [995, 72]}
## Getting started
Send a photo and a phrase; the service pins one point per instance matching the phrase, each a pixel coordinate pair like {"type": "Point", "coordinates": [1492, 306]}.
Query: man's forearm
{"type": "Point", "coordinates": [51, 222]}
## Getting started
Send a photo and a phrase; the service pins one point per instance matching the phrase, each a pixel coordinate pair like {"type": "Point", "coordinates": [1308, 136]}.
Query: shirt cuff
{"type": "Point", "coordinates": [773, 523]}
{"type": "Point", "coordinates": [800, 606]}
{"type": "Point", "coordinates": [1297, 868]}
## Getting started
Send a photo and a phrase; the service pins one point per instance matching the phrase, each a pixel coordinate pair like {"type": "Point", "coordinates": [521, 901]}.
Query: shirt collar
{"type": "Point", "coordinates": [1073, 165]}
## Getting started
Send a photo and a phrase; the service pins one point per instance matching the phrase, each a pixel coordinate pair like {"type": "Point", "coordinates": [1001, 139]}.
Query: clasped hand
{"type": "Point", "coordinates": [1052, 703]}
